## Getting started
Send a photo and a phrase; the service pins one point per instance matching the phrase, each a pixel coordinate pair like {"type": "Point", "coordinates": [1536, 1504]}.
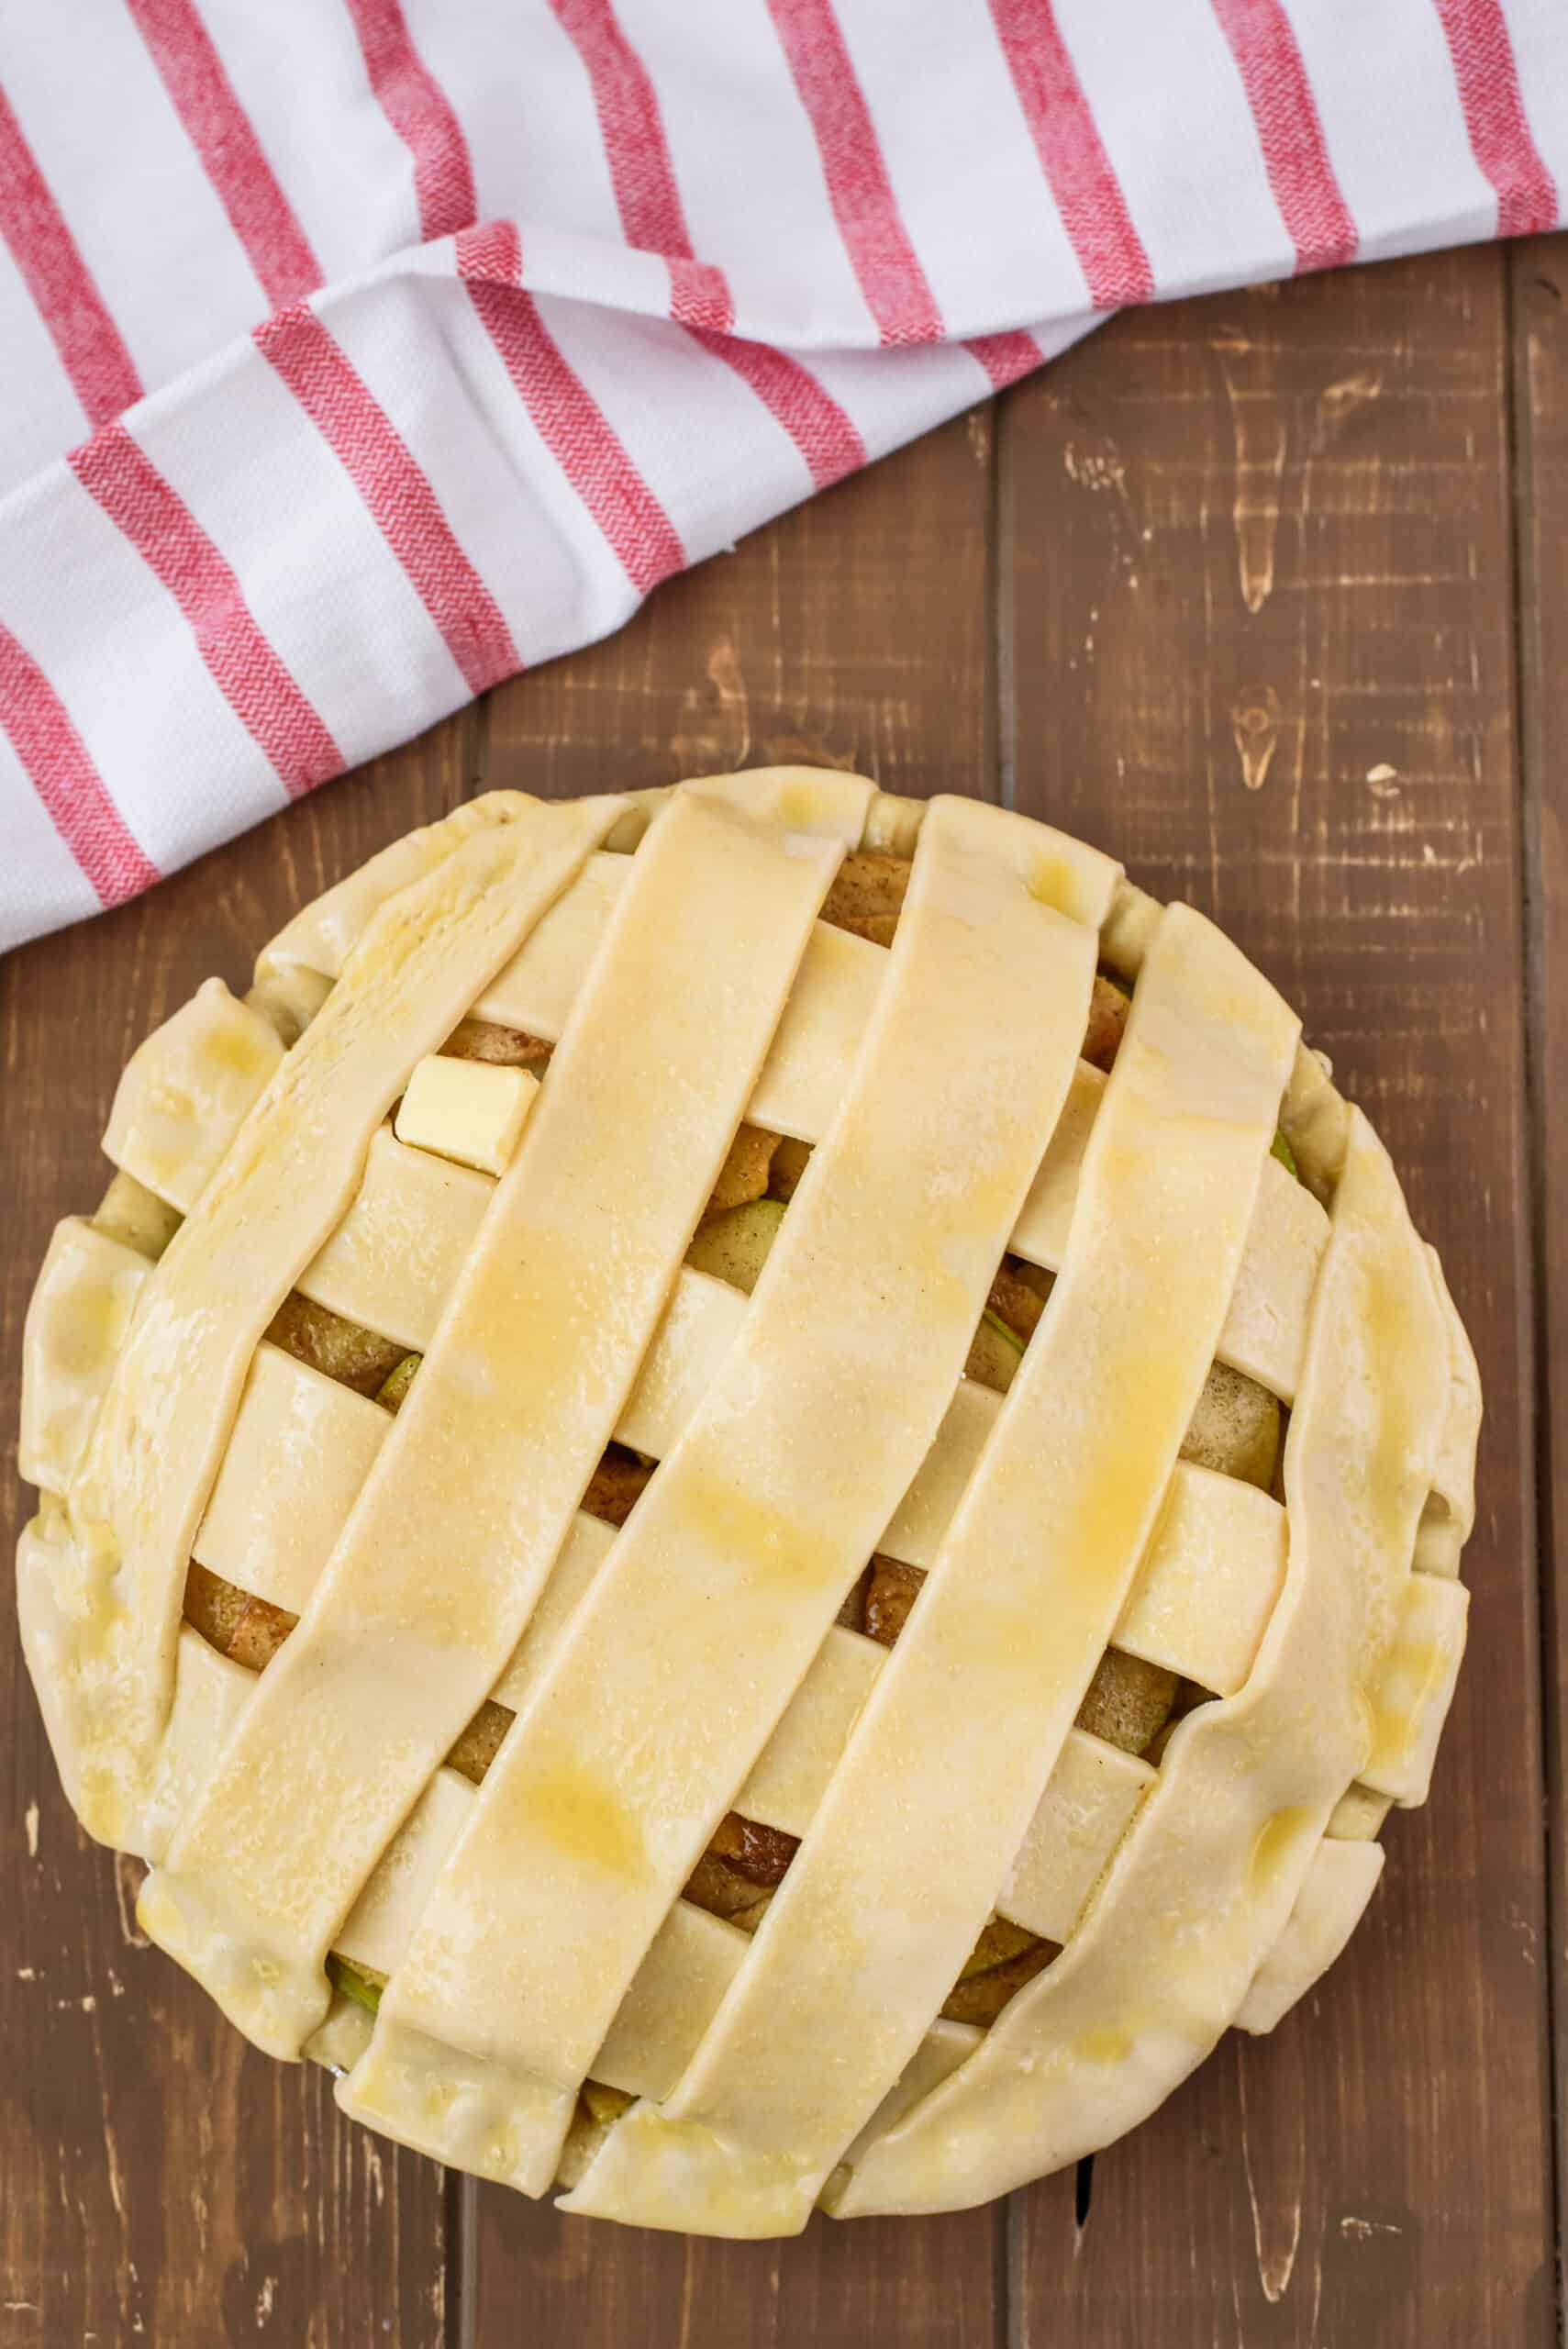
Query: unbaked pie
{"type": "Point", "coordinates": [753, 1493]}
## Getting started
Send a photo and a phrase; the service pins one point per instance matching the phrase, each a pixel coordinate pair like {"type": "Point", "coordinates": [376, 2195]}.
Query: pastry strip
{"type": "Point", "coordinates": [473, 1492]}
{"type": "Point", "coordinates": [791, 1774]}
{"type": "Point", "coordinates": [914, 1837]}
{"type": "Point", "coordinates": [1450, 1513]}
{"type": "Point", "coordinates": [184, 1094]}
{"type": "Point", "coordinates": [1207, 1878]}
{"type": "Point", "coordinates": [209, 1692]}
{"type": "Point", "coordinates": [1413, 1687]}
{"type": "Point", "coordinates": [722, 1585]}
{"type": "Point", "coordinates": [323, 934]}
{"type": "Point", "coordinates": [1340, 1879]}
{"type": "Point", "coordinates": [375, 1930]}
{"type": "Point", "coordinates": [1266, 1320]}
{"type": "Point", "coordinates": [1210, 1579]}
{"type": "Point", "coordinates": [284, 1180]}
{"type": "Point", "coordinates": [1090, 1801]}
{"type": "Point", "coordinates": [302, 1447]}
{"type": "Point", "coordinates": [73, 1337]}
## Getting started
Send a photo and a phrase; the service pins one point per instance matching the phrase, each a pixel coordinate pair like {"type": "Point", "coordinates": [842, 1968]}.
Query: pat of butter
{"type": "Point", "coordinates": [470, 1110]}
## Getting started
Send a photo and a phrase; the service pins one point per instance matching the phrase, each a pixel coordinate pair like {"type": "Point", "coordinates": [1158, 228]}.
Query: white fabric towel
{"type": "Point", "coordinates": [356, 353]}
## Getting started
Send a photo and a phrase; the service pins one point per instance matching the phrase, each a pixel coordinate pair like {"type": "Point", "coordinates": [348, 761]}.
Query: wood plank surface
{"type": "Point", "coordinates": [1231, 589]}
{"type": "Point", "coordinates": [1539, 285]}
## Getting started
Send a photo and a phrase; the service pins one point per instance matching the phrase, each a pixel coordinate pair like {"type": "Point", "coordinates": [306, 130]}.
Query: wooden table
{"type": "Point", "coordinates": [1267, 596]}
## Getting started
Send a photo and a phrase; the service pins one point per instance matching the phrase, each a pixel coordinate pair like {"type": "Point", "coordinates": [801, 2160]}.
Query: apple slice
{"type": "Point", "coordinates": [995, 1355]}
{"type": "Point", "coordinates": [734, 1246]}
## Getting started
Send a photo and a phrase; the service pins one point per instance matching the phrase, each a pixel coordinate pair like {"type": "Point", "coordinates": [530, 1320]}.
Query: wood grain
{"type": "Point", "coordinates": [1258, 595]}
{"type": "Point", "coordinates": [1231, 589]}
{"type": "Point", "coordinates": [1539, 285]}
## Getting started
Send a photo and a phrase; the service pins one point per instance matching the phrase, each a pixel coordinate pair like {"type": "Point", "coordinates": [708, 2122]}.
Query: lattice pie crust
{"type": "Point", "coordinates": [463, 1430]}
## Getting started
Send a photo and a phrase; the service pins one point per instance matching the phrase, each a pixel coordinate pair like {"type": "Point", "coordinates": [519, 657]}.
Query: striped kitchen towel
{"type": "Point", "coordinates": [356, 353]}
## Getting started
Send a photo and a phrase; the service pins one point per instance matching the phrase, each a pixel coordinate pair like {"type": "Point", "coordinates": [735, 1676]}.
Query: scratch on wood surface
{"type": "Point", "coordinates": [128, 1874]}
{"type": "Point", "coordinates": [728, 683]}
{"type": "Point", "coordinates": [1342, 399]}
{"type": "Point", "coordinates": [1261, 442]}
{"type": "Point", "coordinates": [1524, 1932]}
{"type": "Point", "coordinates": [1275, 2198]}
{"type": "Point", "coordinates": [30, 1827]}
{"type": "Point", "coordinates": [1357, 2230]}
{"type": "Point", "coordinates": [1454, 865]}
{"type": "Point", "coordinates": [1255, 721]}
{"type": "Point", "coordinates": [1095, 469]}
{"type": "Point", "coordinates": [715, 730]}
{"type": "Point", "coordinates": [688, 2287]}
